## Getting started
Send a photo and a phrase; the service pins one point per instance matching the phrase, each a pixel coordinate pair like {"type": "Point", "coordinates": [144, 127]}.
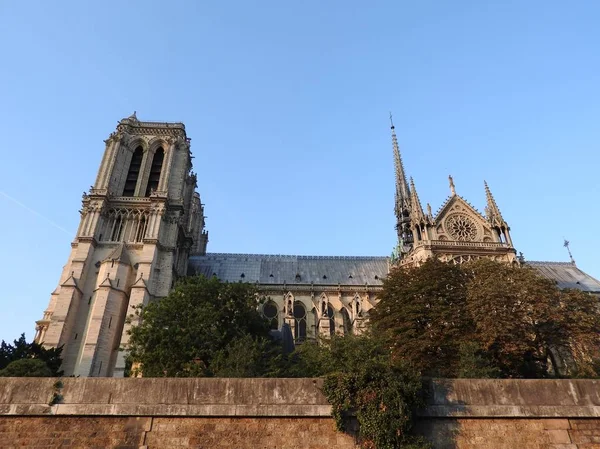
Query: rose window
{"type": "Point", "coordinates": [461, 227]}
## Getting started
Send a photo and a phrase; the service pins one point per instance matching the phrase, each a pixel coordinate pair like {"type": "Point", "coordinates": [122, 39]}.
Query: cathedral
{"type": "Point", "coordinates": [142, 228]}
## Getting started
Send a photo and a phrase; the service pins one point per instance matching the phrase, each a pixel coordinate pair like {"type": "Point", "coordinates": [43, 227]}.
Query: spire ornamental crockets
{"type": "Point", "coordinates": [402, 198]}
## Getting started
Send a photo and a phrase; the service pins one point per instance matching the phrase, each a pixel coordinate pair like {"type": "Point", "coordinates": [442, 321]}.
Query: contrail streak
{"type": "Point", "coordinates": [7, 196]}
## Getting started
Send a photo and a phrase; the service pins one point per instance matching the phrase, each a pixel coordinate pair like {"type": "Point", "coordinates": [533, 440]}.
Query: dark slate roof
{"type": "Point", "coordinates": [567, 275]}
{"type": "Point", "coordinates": [279, 269]}
{"type": "Point", "coordinates": [334, 270]}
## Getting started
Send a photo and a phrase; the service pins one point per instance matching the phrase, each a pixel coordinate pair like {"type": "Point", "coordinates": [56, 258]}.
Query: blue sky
{"type": "Point", "coordinates": [287, 106]}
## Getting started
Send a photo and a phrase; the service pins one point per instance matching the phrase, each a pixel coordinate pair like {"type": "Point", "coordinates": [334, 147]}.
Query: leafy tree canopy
{"type": "Point", "coordinates": [203, 327]}
{"type": "Point", "coordinates": [22, 359]}
{"type": "Point", "coordinates": [486, 319]}
{"type": "Point", "coordinates": [26, 368]}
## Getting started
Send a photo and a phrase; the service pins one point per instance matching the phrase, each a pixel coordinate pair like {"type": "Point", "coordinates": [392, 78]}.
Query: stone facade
{"type": "Point", "coordinates": [140, 222]}
{"type": "Point", "coordinates": [314, 295]}
{"type": "Point", "coordinates": [142, 227]}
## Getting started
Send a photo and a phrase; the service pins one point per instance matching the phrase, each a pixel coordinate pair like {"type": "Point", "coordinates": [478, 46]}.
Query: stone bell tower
{"type": "Point", "coordinates": [140, 222]}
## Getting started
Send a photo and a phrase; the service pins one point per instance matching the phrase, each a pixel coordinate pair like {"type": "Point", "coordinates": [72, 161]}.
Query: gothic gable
{"type": "Point", "coordinates": [457, 220]}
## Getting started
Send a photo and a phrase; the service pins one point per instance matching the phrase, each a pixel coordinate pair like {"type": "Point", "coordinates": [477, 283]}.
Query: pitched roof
{"type": "Point", "coordinates": [451, 200]}
{"type": "Point", "coordinates": [567, 275]}
{"type": "Point", "coordinates": [280, 269]}
{"type": "Point", "coordinates": [119, 254]}
{"type": "Point", "coordinates": [334, 270]}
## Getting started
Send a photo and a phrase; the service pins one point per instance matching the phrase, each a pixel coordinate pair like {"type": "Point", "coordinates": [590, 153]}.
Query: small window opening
{"type": "Point", "coordinates": [134, 172]}
{"type": "Point", "coordinates": [298, 277]}
{"type": "Point", "coordinates": [324, 277]}
{"type": "Point", "coordinates": [109, 322]}
{"type": "Point", "coordinates": [271, 275]}
{"type": "Point", "coordinates": [155, 169]}
{"type": "Point", "coordinates": [100, 367]}
{"type": "Point", "coordinates": [89, 301]}
{"type": "Point", "coordinates": [350, 277]}
{"type": "Point", "coordinates": [242, 275]}
{"type": "Point", "coordinates": [376, 277]}
{"type": "Point", "coordinates": [75, 336]}
{"type": "Point", "coordinates": [118, 280]}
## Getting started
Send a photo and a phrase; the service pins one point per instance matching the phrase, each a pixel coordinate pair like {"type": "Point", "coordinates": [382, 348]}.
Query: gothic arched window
{"type": "Point", "coordinates": [117, 228]}
{"type": "Point", "coordinates": [299, 321]}
{"type": "Point", "coordinates": [154, 177]}
{"type": "Point", "coordinates": [271, 313]}
{"type": "Point", "coordinates": [330, 315]}
{"type": "Point", "coordinates": [141, 229]}
{"type": "Point", "coordinates": [134, 172]}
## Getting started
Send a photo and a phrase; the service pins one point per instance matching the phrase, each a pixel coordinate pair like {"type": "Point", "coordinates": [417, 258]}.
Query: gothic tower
{"type": "Point", "coordinates": [457, 233]}
{"type": "Point", "coordinates": [140, 222]}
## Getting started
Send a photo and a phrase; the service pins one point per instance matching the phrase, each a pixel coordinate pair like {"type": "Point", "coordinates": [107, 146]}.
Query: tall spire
{"type": "Point", "coordinates": [402, 190]}
{"type": "Point", "coordinates": [402, 199]}
{"type": "Point", "coordinates": [492, 211]}
{"type": "Point", "coordinates": [415, 202]}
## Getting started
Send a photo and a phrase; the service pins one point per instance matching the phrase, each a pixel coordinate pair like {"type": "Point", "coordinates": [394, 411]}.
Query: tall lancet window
{"type": "Point", "coordinates": [331, 317]}
{"type": "Point", "coordinates": [134, 172]}
{"type": "Point", "coordinates": [154, 177]}
{"type": "Point", "coordinates": [299, 322]}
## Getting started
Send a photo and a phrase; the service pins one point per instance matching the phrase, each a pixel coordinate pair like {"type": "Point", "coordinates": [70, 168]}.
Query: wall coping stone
{"type": "Point", "coordinates": [516, 398]}
{"type": "Point", "coordinates": [210, 397]}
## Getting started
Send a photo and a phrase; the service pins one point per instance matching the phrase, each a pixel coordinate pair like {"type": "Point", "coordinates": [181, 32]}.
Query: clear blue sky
{"type": "Point", "coordinates": [287, 107]}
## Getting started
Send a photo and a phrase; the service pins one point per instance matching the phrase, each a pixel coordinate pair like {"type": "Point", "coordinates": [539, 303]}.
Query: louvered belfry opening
{"type": "Point", "coordinates": [155, 169]}
{"type": "Point", "coordinates": [134, 172]}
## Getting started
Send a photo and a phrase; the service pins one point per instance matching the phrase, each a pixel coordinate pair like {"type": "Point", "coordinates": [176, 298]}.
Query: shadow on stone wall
{"type": "Point", "coordinates": [441, 432]}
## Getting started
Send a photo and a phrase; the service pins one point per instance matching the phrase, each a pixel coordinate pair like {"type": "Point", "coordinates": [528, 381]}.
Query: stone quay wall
{"type": "Point", "coordinates": [285, 414]}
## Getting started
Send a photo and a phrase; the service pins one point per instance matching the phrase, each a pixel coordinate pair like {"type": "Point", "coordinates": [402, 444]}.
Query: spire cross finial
{"type": "Point", "coordinates": [452, 189]}
{"type": "Point", "coordinates": [566, 245]}
{"type": "Point", "coordinates": [391, 121]}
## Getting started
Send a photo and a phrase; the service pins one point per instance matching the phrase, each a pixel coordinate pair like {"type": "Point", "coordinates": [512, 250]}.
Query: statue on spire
{"type": "Point", "coordinates": [452, 189]}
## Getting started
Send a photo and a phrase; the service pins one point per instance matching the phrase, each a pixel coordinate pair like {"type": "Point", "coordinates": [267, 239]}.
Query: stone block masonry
{"type": "Point", "coordinates": [285, 414]}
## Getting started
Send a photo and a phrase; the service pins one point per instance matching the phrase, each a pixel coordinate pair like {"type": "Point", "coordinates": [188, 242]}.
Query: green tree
{"type": "Point", "coordinates": [248, 356]}
{"type": "Point", "coordinates": [527, 325]}
{"type": "Point", "coordinates": [422, 315]}
{"type": "Point", "coordinates": [487, 319]}
{"type": "Point", "coordinates": [201, 319]}
{"type": "Point", "coordinates": [21, 350]}
{"type": "Point", "coordinates": [26, 368]}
